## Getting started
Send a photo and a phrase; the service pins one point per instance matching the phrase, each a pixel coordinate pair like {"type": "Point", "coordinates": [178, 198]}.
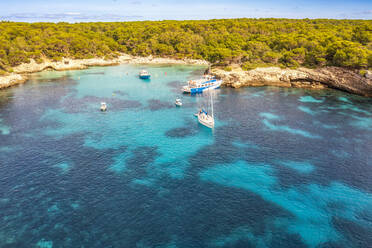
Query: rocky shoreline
{"type": "Point", "coordinates": [326, 77]}
{"type": "Point", "coordinates": [20, 73]}
{"type": "Point", "coordinates": [320, 78]}
{"type": "Point", "coordinates": [12, 79]}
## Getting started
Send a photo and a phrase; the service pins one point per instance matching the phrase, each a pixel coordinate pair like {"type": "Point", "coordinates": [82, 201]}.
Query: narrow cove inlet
{"type": "Point", "coordinates": [282, 167]}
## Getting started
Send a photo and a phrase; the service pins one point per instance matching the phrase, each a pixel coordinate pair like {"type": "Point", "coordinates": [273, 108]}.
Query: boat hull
{"type": "Point", "coordinates": [201, 89]}
{"type": "Point", "coordinates": [209, 122]}
{"type": "Point", "coordinates": [144, 76]}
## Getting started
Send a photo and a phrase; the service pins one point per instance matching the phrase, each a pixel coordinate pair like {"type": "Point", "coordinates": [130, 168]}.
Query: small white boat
{"type": "Point", "coordinates": [103, 106]}
{"type": "Point", "coordinates": [204, 117]}
{"type": "Point", "coordinates": [178, 102]}
{"type": "Point", "coordinates": [144, 74]}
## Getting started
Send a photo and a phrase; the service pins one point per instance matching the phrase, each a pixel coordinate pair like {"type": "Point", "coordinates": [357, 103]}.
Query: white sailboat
{"type": "Point", "coordinates": [205, 118]}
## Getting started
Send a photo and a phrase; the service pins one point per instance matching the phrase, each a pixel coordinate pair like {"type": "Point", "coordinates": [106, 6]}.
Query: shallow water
{"type": "Point", "coordinates": [282, 168]}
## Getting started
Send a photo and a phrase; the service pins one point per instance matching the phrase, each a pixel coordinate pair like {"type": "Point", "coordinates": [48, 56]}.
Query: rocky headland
{"type": "Point", "coordinates": [320, 78]}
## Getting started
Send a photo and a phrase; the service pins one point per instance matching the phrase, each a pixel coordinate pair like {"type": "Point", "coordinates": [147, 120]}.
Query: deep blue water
{"type": "Point", "coordinates": [282, 168]}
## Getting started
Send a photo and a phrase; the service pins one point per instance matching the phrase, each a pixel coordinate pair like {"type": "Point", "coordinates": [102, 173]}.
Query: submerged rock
{"type": "Point", "coordinates": [331, 77]}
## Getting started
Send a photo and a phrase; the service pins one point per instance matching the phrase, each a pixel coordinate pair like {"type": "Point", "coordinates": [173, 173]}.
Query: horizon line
{"type": "Point", "coordinates": [180, 20]}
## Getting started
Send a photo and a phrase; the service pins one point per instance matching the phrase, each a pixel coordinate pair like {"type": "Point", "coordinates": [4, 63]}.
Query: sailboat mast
{"type": "Point", "coordinates": [212, 104]}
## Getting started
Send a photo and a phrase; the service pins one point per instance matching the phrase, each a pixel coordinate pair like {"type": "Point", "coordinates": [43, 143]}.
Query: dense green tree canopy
{"type": "Point", "coordinates": [249, 42]}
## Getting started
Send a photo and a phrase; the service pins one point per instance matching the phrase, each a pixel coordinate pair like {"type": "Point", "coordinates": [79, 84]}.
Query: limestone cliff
{"type": "Point", "coordinates": [12, 79]}
{"type": "Point", "coordinates": [76, 64]}
{"type": "Point", "coordinates": [332, 77]}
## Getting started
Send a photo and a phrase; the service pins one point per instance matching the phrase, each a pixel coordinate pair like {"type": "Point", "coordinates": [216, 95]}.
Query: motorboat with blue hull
{"type": "Point", "coordinates": [144, 75]}
{"type": "Point", "coordinates": [207, 82]}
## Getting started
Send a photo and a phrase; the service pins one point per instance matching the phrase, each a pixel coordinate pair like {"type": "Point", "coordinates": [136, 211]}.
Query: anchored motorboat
{"type": "Point", "coordinates": [178, 102]}
{"type": "Point", "coordinates": [207, 82]}
{"type": "Point", "coordinates": [144, 74]}
{"type": "Point", "coordinates": [103, 106]}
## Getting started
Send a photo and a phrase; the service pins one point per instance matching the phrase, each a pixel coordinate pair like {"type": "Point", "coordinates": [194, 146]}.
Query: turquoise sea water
{"type": "Point", "coordinates": [282, 168]}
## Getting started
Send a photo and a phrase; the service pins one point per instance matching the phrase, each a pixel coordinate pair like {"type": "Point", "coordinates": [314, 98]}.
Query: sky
{"type": "Point", "coordinates": [133, 10]}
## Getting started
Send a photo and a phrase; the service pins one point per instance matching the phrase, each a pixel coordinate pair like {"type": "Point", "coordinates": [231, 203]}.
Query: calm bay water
{"type": "Point", "coordinates": [282, 168]}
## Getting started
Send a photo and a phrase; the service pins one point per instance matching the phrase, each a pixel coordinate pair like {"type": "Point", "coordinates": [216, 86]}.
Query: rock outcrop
{"type": "Point", "coordinates": [77, 64]}
{"type": "Point", "coordinates": [65, 64]}
{"type": "Point", "coordinates": [331, 77]}
{"type": "Point", "coordinates": [12, 79]}
{"type": "Point", "coordinates": [151, 60]}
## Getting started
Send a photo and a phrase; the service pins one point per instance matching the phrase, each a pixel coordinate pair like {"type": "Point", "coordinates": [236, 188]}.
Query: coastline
{"type": "Point", "coordinates": [12, 79]}
{"type": "Point", "coordinates": [20, 72]}
{"type": "Point", "coordinates": [320, 78]}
